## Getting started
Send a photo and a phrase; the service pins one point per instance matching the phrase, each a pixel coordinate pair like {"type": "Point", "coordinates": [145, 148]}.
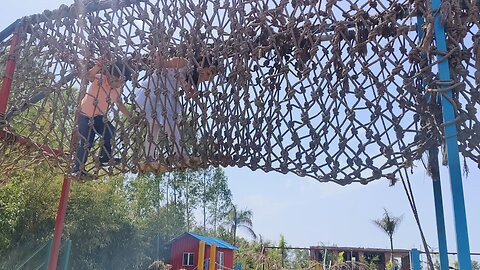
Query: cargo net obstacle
{"type": "Point", "coordinates": [341, 91]}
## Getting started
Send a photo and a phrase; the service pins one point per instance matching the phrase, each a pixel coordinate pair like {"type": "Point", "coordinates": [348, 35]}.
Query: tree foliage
{"type": "Point", "coordinates": [114, 223]}
{"type": "Point", "coordinates": [238, 218]}
{"type": "Point", "coordinates": [388, 224]}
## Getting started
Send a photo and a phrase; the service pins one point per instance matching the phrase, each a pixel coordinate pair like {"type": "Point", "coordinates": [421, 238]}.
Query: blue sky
{"type": "Point", "coordinates": [308, 213]}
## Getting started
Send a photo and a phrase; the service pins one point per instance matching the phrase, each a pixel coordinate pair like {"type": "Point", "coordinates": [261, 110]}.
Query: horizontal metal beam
{"type": "Point", "coordinates": [9, 30]}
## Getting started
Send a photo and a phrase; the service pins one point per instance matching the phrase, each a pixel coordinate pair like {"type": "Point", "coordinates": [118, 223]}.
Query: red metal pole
{"type": "Point", "coordinates": [8, 75]}
{"type": "Point", "coordinates": [22, 140]}
{"type": "Point", "coordinates": [57, 235]}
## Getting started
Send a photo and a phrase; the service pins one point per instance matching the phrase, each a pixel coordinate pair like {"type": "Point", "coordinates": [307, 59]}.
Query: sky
{"type": "Point", "coordinates": [307, 212]}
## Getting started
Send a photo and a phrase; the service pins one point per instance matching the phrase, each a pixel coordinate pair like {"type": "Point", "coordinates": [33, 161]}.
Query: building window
{"type": "Point", "coordinates": [221, 260]}
{"type": "Point", "coordinates": [187, 258]}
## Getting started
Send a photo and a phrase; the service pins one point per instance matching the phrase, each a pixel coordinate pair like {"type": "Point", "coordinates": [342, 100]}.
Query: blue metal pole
{"type": "Point", "coordinates": [437, 185]}
{"type": "Point", "coordinates": [464, 260]}
{"type": "Point", "coordinates": [415, 259]}
{"type": "Point", "coordinates": [9, 30]}
{"type": "Point", "coordinates": [437, 193]}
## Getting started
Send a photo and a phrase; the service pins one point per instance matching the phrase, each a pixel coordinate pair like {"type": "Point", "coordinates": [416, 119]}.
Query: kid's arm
{"type": "Point", "coordinates": [174, 62]}
{"type": "Point", "coordinates": [94, 70]}
{"type": "Point", "coordinates": [191, 92]}
{"type": "Point", "coordinates": [122, 107]}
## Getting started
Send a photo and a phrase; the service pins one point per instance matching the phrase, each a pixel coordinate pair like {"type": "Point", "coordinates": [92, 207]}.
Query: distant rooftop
{"type": "Point", "coordinates": [219, 243]}
{"type": "Point", "coordinates": [360, 249]}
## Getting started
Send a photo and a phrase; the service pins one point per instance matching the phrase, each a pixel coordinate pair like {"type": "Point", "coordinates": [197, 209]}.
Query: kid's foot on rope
{"type": "Point", "coordinates": [112, 162]}
{"type": "Point", "coordinates": [194, 161]}
{"type": "Point", "coordinates": [151, 166]}
{"type": "Point", "coordinates": [82, 176]}
{"type": "Point", "coordinates": [186, 162]}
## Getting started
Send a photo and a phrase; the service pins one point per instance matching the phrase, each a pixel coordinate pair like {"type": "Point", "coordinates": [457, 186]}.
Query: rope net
{"type": "Point", "coordinates": [341, 91]}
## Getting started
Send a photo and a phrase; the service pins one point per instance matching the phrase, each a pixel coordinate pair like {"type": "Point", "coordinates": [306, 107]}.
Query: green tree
{"type": "Point", "coordinates": [219, 198]}
{"type": "Point", "coordinates": [388, 224]}
{"type": "Point", "coordinates": [282, 244]}
{"type": "Point", "coordinates": [28, 202]}
{"type": "Point", "coordinates": [240, 219]}
{"type": "Point", "coordinates": [258, 254]}
{"type": "Point", "coordinates": [102, 233]}
{"type": "Point", "coordinates": [192, 186]}
{"type": "Point", "coordinates": [145, 194]}
{"type": "Point", "coordinates": [159, 220]}
{"type": "Point", "coordinates": [300, 259]}
{"type": "Point", "coordinates": [183, 190]}
{"type": "Point", "coordinates": [206, 177]}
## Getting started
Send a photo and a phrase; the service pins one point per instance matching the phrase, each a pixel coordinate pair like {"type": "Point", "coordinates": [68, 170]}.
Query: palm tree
{"type": "Point", "coordinates": [388, 224]}
{"type": "Point", "coordinates": [240, 219]}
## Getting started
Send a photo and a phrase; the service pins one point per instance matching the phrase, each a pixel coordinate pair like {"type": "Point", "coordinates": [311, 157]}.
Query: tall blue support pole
{"type": "Point", "coordinates": [464, 260]}
{"type": "Point", "coordinates": [437, 186]}
{"type": "Point", "coordinates": [415, 259]}
{"type": "Point", "coordinates": [437, 194]}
